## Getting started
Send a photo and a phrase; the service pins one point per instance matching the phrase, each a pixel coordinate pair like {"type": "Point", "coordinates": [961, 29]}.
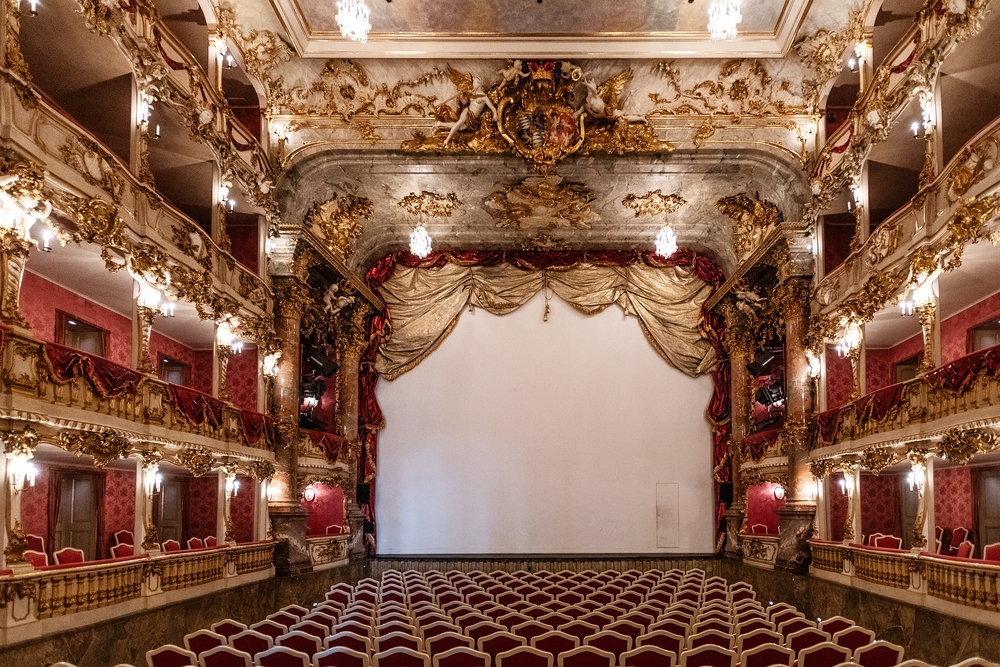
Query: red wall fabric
{"type": "Point", "coordinates": [880, 504]}
{"type": "Point", "coordinates": [954, 330]}
{"type": "Point", "coordinates": [326, 510]}
{"type": "Point", "coordinates": [202, 375]}
{"type": "Point", "coordinates": [35, 504]}
{"type": "Point", "coordinates": [203, 496]}
{"type": "Point", "coordinates": [241, 509]}
{"type": "Point", "coordinates": [879, 362]}
{"type": "Point", "coordinates": [119, 504]}
{"type": "Point", "coordinates": [245, 244]}
{"type": "Point", "coordinates": [40, 298]}
{"type": "Point", "coordinates": [838, 506]}
{"type": "Point", "coordinates": [839, 379]}
{"type": "Point", "coordinates": [761, 506]}
{"type": "Point", "coordinates": [241, 379]}
{"type": "Point", "coordinates": [161, 345]}
{"type": "Point", "coordinates": [953, 497]}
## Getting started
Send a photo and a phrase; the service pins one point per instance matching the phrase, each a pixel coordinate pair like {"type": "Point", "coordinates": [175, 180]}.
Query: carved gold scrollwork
{"type": "Point", "coordinates": [961, 445]}
{"type": "Point", "coordinates": [877, 459]}
{"type": "Point", "coordinates": [103, 446]}
{"type": "Point", "coordinates": [198, 460]}
{"type": "Point", "coordinates": [543, 202]}
{"type": "Point", "coordinates": [430, 204]}
{"type": "Point", "coordinates": [16, 590]}
{"type": "Point", "coordinates": [338, 221]}
{"type": "Point", "coordinates": [753, 219]}
{"type": "Point", "coordinates": [653, 202]}
{"type": "Point", "coordinates": [822, 468]}
{"type": "Point", "coordinates": [260, 470]}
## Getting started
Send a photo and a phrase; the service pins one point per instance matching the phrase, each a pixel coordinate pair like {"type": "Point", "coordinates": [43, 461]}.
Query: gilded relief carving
{"type": "Point", "coordinates": [753, 219]}
{"type": "Point", "coordinates": [94, 164]}
{"type": "Point", "coordinates": [653, 202]}
{"type": "Point", "coordinates": [103, 446]}
{"type": "Point", "coordinates": [338, 221]}
{"type": "Point", "coordinates": [542, 202]}
{"type": "Point", "coordinates": [430, 204]}
{"type": "Point", "coordinates": [877, 459]}
{"type": "Point", "coordinates": [198, 460]}
{"type": "Point", "coordinates": [972, 165]}
{"type": "Point", "coordinates": [961, 445]}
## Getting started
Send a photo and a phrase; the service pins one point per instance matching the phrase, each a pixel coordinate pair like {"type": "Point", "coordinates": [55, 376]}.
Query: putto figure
{"type": "Point", "coordinates": [475, 99]}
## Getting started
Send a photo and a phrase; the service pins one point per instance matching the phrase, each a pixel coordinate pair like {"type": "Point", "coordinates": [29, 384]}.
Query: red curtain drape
{"type": "Point", "coordinates": [55, 504]}
{"type": "Point", "coordinates": [196, 406]}
{"type": "Point", "coordinates": [328, 443]}
{"type": "Point", "coordinates": [256, 426]}
{"type": "Point", "coordinates": [106, 377]}
{"type": "Point", "coordinates": [371, 419]}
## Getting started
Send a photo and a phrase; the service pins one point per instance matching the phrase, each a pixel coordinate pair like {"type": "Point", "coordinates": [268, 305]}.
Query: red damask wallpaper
{"type": "Point", "coordinates": [761, 506]}
{"type": "Point", "coordinates": [880, 504]}
{"type": "Point", "coordinates": [245, 244]}
{"type": "Point", "coordinates": [202, 371]}
{"type": "Point", "coordinates": [879, 362]}
{"type": "Point", "coordinates": [839, 379]}
{"type": "Point", "coordinates": [199, 377]}
{"type": "Point", "coordinates": [954, 330]}
{"type": "Point", "coordinates": [241, 377]}
{"type": "Point", "coordinates": [838, 505]}
{"type": "Point", "coordinates": [953, 497]}
{"type": "Point", "coordinates": [203, 497]}
{"type": "Point", "coordinates": [40, 298]}
{"type": "Point", "coordinates": [119, 504]}
{"type": "Point", "coordinates": [241, 509]}
{"type": "Point", "coordinates": [326, 510]}
{"type": "Point", "coordinates": [35, 504]}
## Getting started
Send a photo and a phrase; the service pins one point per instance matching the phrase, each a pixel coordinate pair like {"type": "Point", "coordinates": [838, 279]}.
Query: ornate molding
{"type": "Point", "coordinates": [430, 204]}
{"type": "Point", "coordinates": [543, 202]}
{"type": "Point", "coordinates": [260, 470]}
{"type": "Point", "coordinates": [961, 445]}
{"type": "Point", "coordinates": [653, 202]}
{"type": "Point", "coordinates": [822, 468]}
{"type": "Point", "coordinates": [103, 446]}
{"type": "Point", "coordinates": [198, 460]}
{"type": "Point", "coordinates": [877, 459]}
{"type": "Point", "coordinates": [21, 444]}
{"type": "Point", "coordinates": [338, 221]}
{"type": "Point", "coordinates": [753, 219]}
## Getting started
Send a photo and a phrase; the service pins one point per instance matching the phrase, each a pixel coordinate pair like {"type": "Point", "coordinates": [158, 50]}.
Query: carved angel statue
{"type": "Point", "coordinates": [748, 301]}
{"type": "Point", "coordinates": [604, 102]}
{"type": "Point", "coordinates": [470, 88]}
{"type": "Point", "coordinates": [333, 303]}
{"type": "Point", "coordinates": [511, 73]}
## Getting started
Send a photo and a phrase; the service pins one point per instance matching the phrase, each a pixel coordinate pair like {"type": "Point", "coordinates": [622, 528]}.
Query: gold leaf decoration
{"type": "Point", "coordinates": [653, 203]}
{"type": "Point", "coordinates": [338, 221]}
{"type": "Point", "coordinates": [103, 446]}
{"type": "Point", "coordinates": [961, 445]}
{"type": "Point", "coordinates": [753, 219]}
{"type": "Point", "coordinates": [430, 204]}
{"type": "Point", "coordinates": [198, 460]}
{"type": "Point", "coordinates": [877, 459]}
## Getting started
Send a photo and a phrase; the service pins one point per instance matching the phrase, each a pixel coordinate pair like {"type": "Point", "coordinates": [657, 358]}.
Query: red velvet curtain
{"type": "Point", "coordinates": [371, 419]}
{"type": "Point", "coordinates": [328, 443]}
{"type": "Point", "coordinates": [256, 426]}
{"type": "Point", "coordinates": [106, 377]}
{"type": "Point", "coordinates": [196, 406]}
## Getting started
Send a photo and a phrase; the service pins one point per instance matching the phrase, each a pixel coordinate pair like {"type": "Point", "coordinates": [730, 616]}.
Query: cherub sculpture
{"type": "Point", "coordinates": [470, 88]}
{"type": "Point", "coordinates": [603, 102]}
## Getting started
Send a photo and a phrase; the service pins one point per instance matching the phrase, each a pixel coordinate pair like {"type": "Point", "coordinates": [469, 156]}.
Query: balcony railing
{"type": "Point", "coordinates": [33, 603]}
{"type": "Point", "coordinates": [328, 550]}
{"type": "Point", "coordinates": [959, 586]}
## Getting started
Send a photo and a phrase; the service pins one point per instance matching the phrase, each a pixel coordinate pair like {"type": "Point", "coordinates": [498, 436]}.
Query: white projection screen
{"type": "Point", "coordinates": [571, 436]}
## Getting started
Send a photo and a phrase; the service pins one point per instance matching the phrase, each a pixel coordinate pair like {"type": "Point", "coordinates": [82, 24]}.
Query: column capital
{"type": "Point", "coordinates": [291, 297]}
{"type": "Point", "coordinates": [791, 297]}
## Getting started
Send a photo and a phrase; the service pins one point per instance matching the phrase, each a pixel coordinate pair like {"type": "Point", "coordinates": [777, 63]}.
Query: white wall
{"type": "Point", "coordinates": [523, 436]}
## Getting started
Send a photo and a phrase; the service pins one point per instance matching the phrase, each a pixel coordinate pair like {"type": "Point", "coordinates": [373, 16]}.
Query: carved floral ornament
{"type": "Point", "coordinates": [753, 219]}
{"type": "Point", "coordinates": [961, 445]}
{"type": "Point", "coordinates": [103, 446]}
{"type": "Point", "coordinates": [877, 459]}
{"type": "Point", "coordinates": [430, 204]}
{"type": "Point", "coordinates": [653, 203]}
{"type": "Point", "coordinates": [338, 221]}
{"type": "Point", "coordinates": [543, 202]}
{"type": "Point", "coordinates": [198, 460]}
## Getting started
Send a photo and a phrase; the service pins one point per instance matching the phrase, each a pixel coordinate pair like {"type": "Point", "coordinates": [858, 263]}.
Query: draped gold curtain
{"type": "Point", "coordinates": [425, 304]}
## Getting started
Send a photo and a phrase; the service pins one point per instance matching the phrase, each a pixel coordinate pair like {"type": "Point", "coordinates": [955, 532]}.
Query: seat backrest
{"type": "Point", "coordinates": [889, 541]}
{"type": "Point", "coordinates": [68, 555]}
{"type": "Point", "coordinates": [805, 638]}
{"type": "Point", "coordinates": [499, 642]}
{"type": "Point", "coordinates": [708, 656]}
{"type": "Point", "coordinates": [447, 641]}
{"type": "Point", "coordinates": [300, 641]}
{"type": "Point", "coordinates": [879, 654]}
{"type": "Point", "coordinates": [610, 641]}
{"type": "Point", "coordinates": [202, 640]}
{"type": "Point", "coordinates": [794, 625]}
{"type": "Point", "coordinates": [767, 655]}
{"type": "Point", "coordinates": [251, 641]}
{"type": "Point", "coordinates": [826, 654]}
{"type": "Point", "coordinates": [224, 656]}
{"type": "Point", "coordinates": [401, 657]}
{"type": "Point", "coordinates": [524, 656]}
{"type": "Point", "coordinates": [170, 655]}
{"type": "Point", "coordinates": [711, 638]}
{"type": "Point", "coordinates": [647, 656]}
{"type": "Point", "coordinates": [965, 549]}
{"type": "Point", "coordinates": [354, 626]}
{"type": "Point", "coordinates": [958, 535]}
{"type": "Point", "coordinates": [555, 642]}
{"type": "Point", "coordinates": [992, 551]}
{"type": "Point", "coordinates": [579, 629]}
{"type": "Point", "coordinates": [36, 558]}
{"type": "Point", "coordinates": [778, 608]}
{"type": "Point", "coordinates": [587, 656]}
{"type": "Point", "coordinates": [296, 610]}
{"type": "Point", "coordinates": [752, 640]}
{"type": "Point", "coordinates": [195, 543]}
{"type": "Point", "coordinates": [228, 627]}
{"type": "Point", "coordinates": [530, 629]}
{"type": "Point", "coordinates": [714, 624]}
{"type": "Point", "coordinates": [975, 662]}
{"type": "Point", "coordinates": [854, 638]}
{"type": "Point", "coordinates": [462, 656]}
{"type": "Point", "coordinates": [282, 656]}
{"type": "Point", "coordinates": [627, 628]}
{"type": "Point", "coordinates": [664, 640]}
{"type": "Point", "coordinates": [210, 541]}
{"type": "Point", "coordinates": [672, 626]}
{"type": "Point", "coordinates": [171, 545]}
{"type": "Point", "coordinates": [835, 624]}
{"type": "Point", "coordinates": [396, 640]}
{"type": "Point", "coordinates": [311, 628]}
{"type": "Point", "coordinates": [484, 628]}
{"type": "Point", "coordinates": [340, 656]}
{"type": "Point", "coordinates": [123, 537]}
{"type": "Point", "coordinates": [349, 640]}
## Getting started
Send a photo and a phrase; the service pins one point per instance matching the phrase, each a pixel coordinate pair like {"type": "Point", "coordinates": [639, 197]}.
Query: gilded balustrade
{"type": "Point", "coordinates": [884, 568]}
{"type": "Point", "coordinates": [69, 591]}
{"type": "Point", "coordinates": [828, 556]}
{"type": "Point", "coordinates": [254, 557]}
{"type": "Point", "coordinates": [970, 584]}
{"type": "Point", "coordinates": [193, 569]}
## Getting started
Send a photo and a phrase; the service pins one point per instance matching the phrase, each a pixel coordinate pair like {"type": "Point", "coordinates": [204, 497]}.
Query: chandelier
{"type": "Point", "coordinates": [666, 241]}
{"type": "Point", "coordinates": [420, 242]}
{"type": "Point", "coordinates": [352, 17]}
{"type": "Point", "coordinates": [723, 17]}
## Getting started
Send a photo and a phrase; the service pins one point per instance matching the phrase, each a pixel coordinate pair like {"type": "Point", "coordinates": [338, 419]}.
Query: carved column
{"type": "Point", "coordinates": [14, 254]}
{"type": "Point", "coordinates": [222, 354]}
{"type": "Point", "coordinates": [18, 449]}
{"type": "Point", "coordinates": [288, 518]}
{"type": "Point", "coordinates": [852, 485]}
{"type": "Point", "coordinates": [350, 343]}
{"type": "Point", "coordinates": [797, 518]}
{"type": "Point", "coordinates": [142, 329]}
{"type": "Point", "coordinates": [145, 536]}
{"type": "Point", "coordinates": [922, 531]}
{"type": "Point", "coordinates": [930, 327]}
{"type": "Point", "coordinates": [740, 344]}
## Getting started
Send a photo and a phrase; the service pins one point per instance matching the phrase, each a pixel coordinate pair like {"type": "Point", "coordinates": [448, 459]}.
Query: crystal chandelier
{"type": "Point", "coordinates": [723, 17]}
{"type": "Point", "coordinates": [352, 17]}
{"type": "Point", "coordinates": [420, 242]}
{"type": "Point", "coordinates": [666, 241]}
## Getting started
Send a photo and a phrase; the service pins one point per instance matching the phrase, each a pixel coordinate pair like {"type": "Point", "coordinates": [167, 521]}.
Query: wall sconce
{"type": "Point", "coordinates": [851, 342]}
{"type": "Point", "coordinates": [815, 366]}
{"type": "Point", "coordinates": [46, 241]}
{"type": "Point", "coordinates": [33, 7]}
{"type": "Point", "coordinates": [852, 62]}
{"type": "Point", "coordinates": [232, 486]}
{"type": "Point", "coordinates": [309, 494]}
{"type": "Point", "coordinates": [269, 365]}
{"type": "Point", "coordinates": [915, 128]}
{"type": "Point", "coordinates": [270, 491]}
{"type": "Point", "coordinates": [843, 485]}
{"type": "Point", "coordinates": [144, 110]}
{"type": "Point", "coordinates": [225, 335]}
{"type": "Point", "coordinates": [779, 492]}
{"type": "Point", "coordinates": [923, 294]}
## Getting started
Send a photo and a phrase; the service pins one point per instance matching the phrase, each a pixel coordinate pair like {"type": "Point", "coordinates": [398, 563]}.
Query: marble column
{"type": "Point", "coordinates": [741, 349]}
{"type": "Point", "coordinates": [798, 516]}
{"type": "Point", "coordinates": [288, 518]}
{"type": "Point", "coordinates": [350, 343]}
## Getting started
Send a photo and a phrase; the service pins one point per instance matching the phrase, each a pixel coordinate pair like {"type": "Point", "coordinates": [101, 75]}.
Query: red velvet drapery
{"type": "Point", "coordinates": [256, 426]}
{"type": "Point", "coordinates": [196, 406]}
{"type": "Point", "coordinates": [370, 417]}
{"type": "Point", "coordinates": [106, 377]}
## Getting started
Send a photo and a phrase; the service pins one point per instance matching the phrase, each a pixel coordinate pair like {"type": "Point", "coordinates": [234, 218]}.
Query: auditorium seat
{"type": "Point", "coordinates": [401, 657]}
{"type": "Point", "coordinates": [647, 656]}
{"type": "Point", "coordinates": [708, 656]}
{"type": "Point", "coordinates": [224, 656]}
{"type": "Point", "coordinates": [826, 654]}
{"type": "Point", "coordinates": [251, 641]}
{"type": "Point", "coordinates": [272, 629]}
{"type": "Point", "coordinates": [310, 628]}
{"type": "Point", "coordinates": [879, 654]}
{"type": "Point", "coordinates": [499, 642]}
{"type": "Point", "coordinates": [530, 629]}
{"type": "Point", "coordinates": [300, 641]}
{"type": "Point", "coordinates": [202, 640]}
{"type": "Point", "coordinates": [805, 638]}
{"type": "Point", "coordinates": [745, 642]}
{"type": "Point", "coordinates": [555, 642]}
{"type": "Point", "coordinates": [398, 640]}
{"type": "Point", "coordinates": [282, 656]}
{"type": "Point", "coordinates": [835, 624]}
{"type": "Point", "coordinates": [586, 656]}
{"type": "Point", "coordinates": [462, 656]}
{"type": "Point", "coordinates": [610, 641]}
{"type": "Point", "coordinates": [170, 655]}
{"type": "Point", "coordinates": [524, 656]}
{"type": "Point", "coordinates": [340, 656]}
{"type": "Point", "coordinates": [662, 639]}
{"type": "Point", "coordinates": [854, 638]}
{"type": "Point", "coordinates": [767, 655]}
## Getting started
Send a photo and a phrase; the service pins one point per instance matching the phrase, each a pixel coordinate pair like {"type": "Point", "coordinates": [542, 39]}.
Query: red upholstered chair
{"type": "Point", "coordinates": [251, 641]}
{"type": "Point", "coordinates": [965, 549]}
{"type": "Point", "coordinates": [398, 640]}
{"type": "Point", "coordinates": [530, 629]}
{"type": "Point", "coordinates": [326, 618]}
{"type": "Point", "coordinates": [972, 662]}
{"type": "Point", "coordinates": [447, 641]}
{"type": "Point", "coordinates": [889, 542]}
{"type": "Point", "coordinates": [879, 654]}
{"type": "Point", "coordinates": [123, 537]}
{"type": "Point", "coordinates": [271, 628]}
{"type": "Point", "coordinates": [555, 642]}
{"type": "Point", "coordinates": [202, 640]}
{"type": "Point", "coordinates": [871, 539]}
{"type": "Point", "coordinates": [664, 640]}
{"type": "Point", "coordinates": [282, 656]}
{"type": "Point", "coordinates": [394, 625]}
{"type": "Point", "coordinates": [643, 616]}
{"type": "Point", "coordinates": [211, 542]}
{"type": "Point", "coordinates": [36, 558]}
{"type": "Point", "coordinates": [958, 535]}
{"type": "Point", "coordinates": [68, 556]}
{"type": "Point", "coordinates": [992, 552]}
{"type": "Point", "coordinates": [437, 628]}
{"type": "Point", "coordinates": [462, 656]}
{"type": "Point", "coordinates": [587, 656]}
{"type": "Point", "coordinates": [738, 595]}
{"type": "Point", "coordinates": [854, 638]}
{"type": "Point", "coordinates": [499, 642]}
{"type": "Point", "coordinates": [524, 656]}
{"type": "Point", "coordinates": [598, 618]}
{"type": "Point", "coordinates": [775, 609]}
{"type": "Point", "coordinates": [835, 624]}
{"type": "Point", "coordinates": [349, 640]}
{"type": "Point", "coordinates": [826, 654]}
{"type": "Point", "coordinates": [358, 628]}
{"type": "Point", "coordinates": [767, 655]}
{"type": "Point", "coordinates": [311, 628]}
{"type": "Point", "coordinates": [170, 655]}
{"type": "Point", "coordinates": [401, 657]}
{"type": "Point", "coordinates": [195, 543]}
{"type": "Point", "coordinates": [647, 656]}
{"type": "Point", "coordinates": [339, 595]}
{"type": "Point", "coordinates": [555, 619]}
{"type": "Point", "coordinates": [610, 641]}
{"type": "Point", "coordinates": [788, 628]}
{"type": "Point", "coordinates": [300, 641]}
{"type": "Point", "coordinates": [122, 551]}
{"type": "Point", "coordinates": [478, 597]}
{"type": "Point", "coordinates": [35, 542]}
{"type": "Point", "coordinates": [296, 610]}
{"type": "Point", "coordinates": [708, 656]}
{"type": "Point", "coordinates": [224, 656]}
{"type": "Point", "coordinates": [579, 629]}
{"type": "Point", "coordinates": [671, 625]}
{"type": "Point", "coordinates": [754, 625]}
{"type": "Point", "coordinates": [339, 656]}
{"type": "Point", "coordinates": [171, 545]}
{"type": "Point", "coordinates": [228, 627]}
{"type": "Point", "coordinates": [627, 628]}
{"type": "Point", "coordinates": [484, 628]}
{"type": "Point", "coordinates": [784, 616]}
{"type": "Point", "coordinates": [714, 624]}
{"type": "Point", "coordinates": [803, 639]}
{"type": "Point", "coordinates": [466, 621]}
{"type": "Point", "coordinates": [757, 638]}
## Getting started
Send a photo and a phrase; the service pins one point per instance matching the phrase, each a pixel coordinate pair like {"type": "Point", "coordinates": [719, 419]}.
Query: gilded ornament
{"type": "Point", "coordinates": [883, 242]}
{"type": "Point", "coordinates": [21, 444]}
{"type": "Point", "coordinates": [430, 204]}
{"type": "Point", "coordinates": [338, 221]}
{"type": "Point", "coordinates": [822, 468]}
{"type": "Point", "coordinates": [961, 445]}
{"type": "Point", "coordinates": [753, 219]}
{"type": "Point", "coordinates": [705, 132]}
{"type": "Point", "coordinates": [546, 242]}
{"type": "Point", "coordinates": [22, 589]}
{"type": "Point", "coordinates": [192, 242]}
{"type": "Point", "coordinates": [971, 166]}
{"type": "Point", "coordinates": [968, 224]}
{"type": "Point", "coordinates": [17, 544]}
{"type": "Point", "coordinates": [198, 460]}
{"type": "Point", "coordinates": [543, 202]}
{"type": "Point", "coordinates": [261, 50]}
{"type": "Point", "coordinates": [291, 297]}
{"type": "Point", "coordinates": [877, 459]}
{"type": "Point", "coordinates": [94, 164]}
{"type": "Point", "coordinates": [103, 446]}
{"type": "Point", "coordinates": [823, 51]}
{"type": "Point", "coordinates": [653, 203]}
{"type": "Point", "coordinates": [261, 470]}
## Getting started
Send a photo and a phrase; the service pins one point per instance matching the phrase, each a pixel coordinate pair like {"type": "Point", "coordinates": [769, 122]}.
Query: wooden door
{"type": "Point", "coordinates": [909, 501]}
{"type": "Point", "coordinates": [171, 511]}
{"type": "Point", "coordinates": [989, 508]}
{"type": "Point", "coordinates": [76, 525]}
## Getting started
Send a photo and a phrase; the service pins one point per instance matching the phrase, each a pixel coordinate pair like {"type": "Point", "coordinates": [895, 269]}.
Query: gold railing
{"type": "Point", "coordinates": [193, 569]}
{"type": "Point", "coordinates": [68, 591]}
{"type": "Point", "coordinates": [254, 557]}
{"type": "Point", "coordinates": [970, 584]}
{"type": "Point", "coordinates": [827, 556]}
{"type": "Point", "coordinates": [883, 567]}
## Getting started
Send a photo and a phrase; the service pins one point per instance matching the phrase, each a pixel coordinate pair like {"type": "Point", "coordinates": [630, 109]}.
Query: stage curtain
{"type": "Point", "coordinates": [425, 305]}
